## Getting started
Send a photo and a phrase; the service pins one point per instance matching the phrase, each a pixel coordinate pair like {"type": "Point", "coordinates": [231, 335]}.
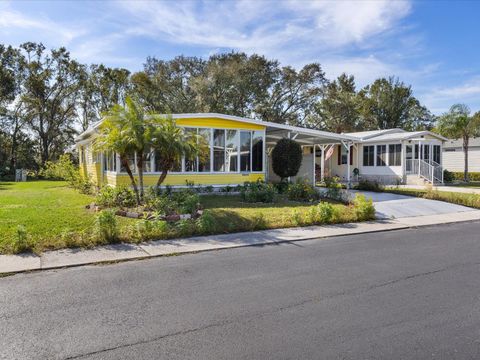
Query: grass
{"type": "Point", "coordinates": [471, 184]}
{"type": "Point", "coordinates": [45, 215]}
{"type": "Point", "coordinates": [465, 199]}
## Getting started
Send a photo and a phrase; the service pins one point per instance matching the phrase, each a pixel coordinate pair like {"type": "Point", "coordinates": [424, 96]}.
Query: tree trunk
{"type": "Point", "coordinates": [465, 152]}
{"type": "Point", "coordinates": [140, 173]}
{"type": "Point", "coordinates": [162, 177]}
{"type": "Point", "coordinates": [124, 161]}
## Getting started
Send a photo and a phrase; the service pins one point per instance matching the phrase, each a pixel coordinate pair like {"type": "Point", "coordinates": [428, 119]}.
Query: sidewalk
{"type": "Point", "coordinates": [458, 189]}
{"type": "Point", "coordinates": [121, 252]}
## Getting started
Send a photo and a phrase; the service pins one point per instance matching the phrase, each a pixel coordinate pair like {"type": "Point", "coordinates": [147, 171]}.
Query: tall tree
{"type": "Point", "coordinates": [389, 103]}
{"type": "Point", "coordinates": [340, 108]}
{"type": "Point", "coordinates": [293, 96]}
{"type": "Point", "coordinates": [49, 96]}
{"type": "Point", "coordinates": [165, 86]}
{"type": "Point", "coordinates": [234, 83]}
{"type": "Point", "coordinates": [458, 124]}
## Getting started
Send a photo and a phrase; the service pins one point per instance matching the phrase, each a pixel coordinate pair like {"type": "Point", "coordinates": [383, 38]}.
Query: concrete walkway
{"type": "Point", "coordinates": [389, 205]}
{"type": "Point", "coordinates": [121, 252]}
{"type": "Point", "coordinates": [458, 189]}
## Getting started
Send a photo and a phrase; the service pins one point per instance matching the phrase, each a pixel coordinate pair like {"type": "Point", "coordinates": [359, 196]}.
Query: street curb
{"type": "Point", "coordinates": [397, 226]}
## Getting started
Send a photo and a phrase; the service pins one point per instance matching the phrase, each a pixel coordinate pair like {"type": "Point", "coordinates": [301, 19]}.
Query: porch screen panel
{"type": "Point", "coordinates": [147, 161]}
{"type": "Point", "coordinates": [257, 151]}
{"type": "Point", "coordinates": [245, 147]}
{"type": "Point", "coordinates": [232, 151]}
{"type": "Point", "coordinates": [381, 155]}
{"type": "Point", "coordinates": [426, 153]}
{"type": "Point", "coordinates": [190, 163]}
{"type": "Point", "coordinates": [369, 155]}
{"type": "Point", "coordinates": [218, 150]}
{"type": "Point", "coordinates": [131, 164]}
{"type": "Point", "coordinates": [395, 155]}
{"type": "Point", "coordinates": [436, 153]}
{"type": "Point", "coordinates": [176, 167]}
{"type": "Point", "coordinates": [204, 158]}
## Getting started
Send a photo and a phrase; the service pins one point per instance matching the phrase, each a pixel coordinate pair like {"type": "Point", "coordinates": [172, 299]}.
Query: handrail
{"type": "Point", "coordinates": [429, 171]}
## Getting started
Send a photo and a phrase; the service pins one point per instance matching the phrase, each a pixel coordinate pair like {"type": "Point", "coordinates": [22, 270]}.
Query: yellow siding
{"type": "Point", "coordinates": [197, 179]}
{"type": "Point", "coordinates": [218, 123]}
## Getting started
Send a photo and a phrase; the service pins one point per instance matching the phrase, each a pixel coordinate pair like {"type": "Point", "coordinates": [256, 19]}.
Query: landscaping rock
{"type": "Point", "coordinates": [121, 213]}
{"type": "Point", "coordinates": [133, 215]}
{"type": "Point", "coordinates": [185, 216]}
{"type": "Point", "coordinates": [172, 217]}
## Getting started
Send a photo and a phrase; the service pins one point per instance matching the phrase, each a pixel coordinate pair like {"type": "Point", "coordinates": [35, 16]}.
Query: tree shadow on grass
{"type": "Point", "coordinates": [5, 185]}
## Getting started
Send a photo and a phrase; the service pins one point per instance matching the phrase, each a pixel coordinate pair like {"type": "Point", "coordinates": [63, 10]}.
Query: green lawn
{"type": "Point", "coordinates": [471, 184]}
{"type": "Point", "coordinates": [46, 209]}
{"type": "Point", "coordinates": [54, 217]}
{"type": "Point", "coordinates": [465, 199]}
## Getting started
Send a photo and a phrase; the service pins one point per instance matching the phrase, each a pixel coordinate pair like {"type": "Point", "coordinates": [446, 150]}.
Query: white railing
{"type": "Point", "coordinates": [431, 172]}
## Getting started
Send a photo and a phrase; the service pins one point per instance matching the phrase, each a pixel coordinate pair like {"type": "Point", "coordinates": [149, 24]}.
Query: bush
{"type": "Point", "coordinates": [65, 169]}
{"type": "Point", "coordinates": [334, 189]}
{"type": "Point", "coordinates": [206, 223]}
{"type": "Point", "coordinates": [325, 212]}
{"type": "Point", "coordinates": [367, 185]}
{"type": "Point", "coordinates": [183, 201]}
{"type": "Point", "coordinates": [121, 196]}
{"type": "Point", "coordinates": [472, 176]}
{"type": "Point", "coordinates": [448, 176]}
{"type": "Point", "coordinates": [21, 242]}
{"type": "Point", "coordinates": [258, 191]}
{"type": "Point", "coordinates": [363, 208]}
{"type": "Point", "coordinates": [286, 158]}
{"type": "Point", "coordinates": [107, 226]}
{"type": "Point", "coordinates": [302, 191]}
{"type": "Point", "coordinates": [281, 186]}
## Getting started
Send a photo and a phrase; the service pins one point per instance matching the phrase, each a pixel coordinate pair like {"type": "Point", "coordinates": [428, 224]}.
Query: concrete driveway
{"type": "Point", "coordinates": [399, 206]}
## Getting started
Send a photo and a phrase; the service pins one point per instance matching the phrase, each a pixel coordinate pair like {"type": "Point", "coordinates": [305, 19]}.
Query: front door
{"type": "Point", "coordinates": [409, 158]}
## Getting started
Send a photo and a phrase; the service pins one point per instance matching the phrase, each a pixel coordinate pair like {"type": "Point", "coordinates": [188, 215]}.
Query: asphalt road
{"type": "Point", "coordinates": [409, 294]}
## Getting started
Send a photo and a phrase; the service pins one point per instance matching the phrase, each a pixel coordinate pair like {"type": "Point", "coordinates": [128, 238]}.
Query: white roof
{"type": "Point", "coordinates": [392, 135]}
{"type": "Point", "coordinates": [271, 125]}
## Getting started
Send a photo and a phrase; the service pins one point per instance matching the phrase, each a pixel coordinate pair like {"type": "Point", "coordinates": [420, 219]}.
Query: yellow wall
{"type": "Point", "coordinates": [93, 170]}
{"type": "Point", "coordinates": [180, 179]}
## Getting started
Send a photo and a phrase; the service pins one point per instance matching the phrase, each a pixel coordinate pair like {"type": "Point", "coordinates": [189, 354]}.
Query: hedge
{"type": "Point", "coordinates": [473, 176]}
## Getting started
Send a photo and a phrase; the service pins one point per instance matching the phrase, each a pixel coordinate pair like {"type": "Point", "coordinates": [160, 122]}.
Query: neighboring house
{"type": "Point", "coordinates": [454, 158]}
{"type": "Point", "coordinates": [240, 151]}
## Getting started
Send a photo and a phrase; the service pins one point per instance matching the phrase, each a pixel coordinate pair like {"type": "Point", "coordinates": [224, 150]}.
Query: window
{"type": "Point", "coordinates": [232, 151]}
{"type": "Point", "coordinates": [204, 159]}
{"type": "Point", "coordinates": [245, 146]}
{"type": "Point", "coordinates": [218, 150]}
{"type": "Point", "coordinates": [426, 153]}
{"type": "Point", "coordinates": [110, 161]}
{"type": "Point", "coordinates": [381, 155]}
{"type": "Point", "coordinates": [190, 163]}
{"type": "Point", "coordinates": [131, 164]}
{"type": "Point", "coordinates": [147, 161]}
{"type": "Point", "coordinates": [395, 155]}
{"type": "Point", "coordinates": [369, 155]}
{"type": "Point", "coordinates": [416, 151]}
{"type": "Point", "coordinates": [436, 153]}
{"type": "Point", "coordinates": [177, 165]}
{"type": "Point", "coordinates": [343, 155]}
{"type": "Point", "coordinates": [257, 151]}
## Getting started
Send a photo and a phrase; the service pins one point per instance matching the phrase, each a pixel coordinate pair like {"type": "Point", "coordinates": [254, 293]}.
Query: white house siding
{"type": "Point", "coordinates": [454, 160]}
{"type": "Point", "coordinates": [305, 172]}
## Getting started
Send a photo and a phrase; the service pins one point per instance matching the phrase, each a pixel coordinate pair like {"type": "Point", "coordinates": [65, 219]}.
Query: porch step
{"type": "Point", "coordinates": [416, 180]}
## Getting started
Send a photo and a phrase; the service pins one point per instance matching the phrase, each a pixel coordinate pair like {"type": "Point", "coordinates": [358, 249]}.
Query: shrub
{"type": "Point", "coordinates": [286, 158]}
{"type": "Point", "coordinates": [363, 208]}
{"type": "Point", "coordinates": [296, 218]}
{"type": "Point", "coordinates": [107, 226]}
{"type": "Point", "coordinates": [21, 242]}
{"type": "Point", "coordinates": [206, 223]}
{"type": "Point", "coordinates": [325, 212]}
{"type": "Point", "coordinates": [302, 191]}
{"type": "Point", "coordinates": [281, 186]}
{"type": "Point", "coordinates": [448, 176]}
{"type": "Point", "coordinates": [258, 191]}
{"type": "Point", "coordinates": [334, 189]}
{"type": "Point", "coordinates": [367, 185]}
{"type": "Point", "coordinates": [65, 169]}
{"type": "Point", "coordinates": [473, 176]}
{"type": "Point", "coordinates": [120, 196]}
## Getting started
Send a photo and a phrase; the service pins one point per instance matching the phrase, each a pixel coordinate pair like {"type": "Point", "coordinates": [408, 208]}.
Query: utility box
{"type": "Point", "coordinates": [20, 175]}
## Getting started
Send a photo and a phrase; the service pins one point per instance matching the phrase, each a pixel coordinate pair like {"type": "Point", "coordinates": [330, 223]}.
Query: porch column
{"type": "Point", "coordinates": [349, 148]}
{"type": "Point", "coordinates": [419, 155]}
{"type": "Point", "coordinates": [322, 170]}
{"type": "Point", "coordinates": [404, 156]}
{"type": "Point", "coordinates": [314, 155]}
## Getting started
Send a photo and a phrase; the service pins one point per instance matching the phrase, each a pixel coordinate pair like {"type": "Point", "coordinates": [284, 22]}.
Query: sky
{"type": "Point", "coordinates": [431, 45]}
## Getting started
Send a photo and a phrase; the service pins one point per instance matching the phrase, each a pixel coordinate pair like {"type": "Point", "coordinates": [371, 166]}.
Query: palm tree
{"type": "Point", "coordinates": [458, 124]}
{"type": "Point", "coordinates": [124, 131]}
{"type": "Point", "coordinates": [171, 143]}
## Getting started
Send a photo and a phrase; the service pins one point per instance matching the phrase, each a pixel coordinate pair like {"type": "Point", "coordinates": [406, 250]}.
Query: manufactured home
{"type": "Point", "coordinates": [240, 151]}
{"type": "Point", "coordinates": [454, 157]}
